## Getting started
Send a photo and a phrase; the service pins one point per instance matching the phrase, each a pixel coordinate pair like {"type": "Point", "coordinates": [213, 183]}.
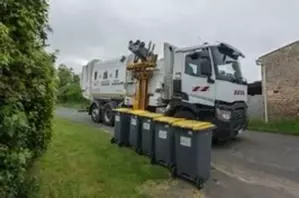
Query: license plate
{"type": "Point", "coordinates": [117, 118]}
{"type": "Point", "coordinates": [162, 134]}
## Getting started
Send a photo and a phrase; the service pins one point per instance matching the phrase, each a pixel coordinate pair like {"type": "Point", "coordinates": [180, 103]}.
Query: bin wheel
{"type": "Point", "coordinates": [127, 145]}
{"type": "Point", "coordinates": [112, 140]}
{"type": "Point", "coordinates": [120, 144]}
{"type": "Point", "coordinates": [173, 172]}
{"type": "Point", "coordinates": [153, 161]}
{"type": "Point", "coordinates": [199, 184]}
{"type": "Point", "coordinates": [138, 151]}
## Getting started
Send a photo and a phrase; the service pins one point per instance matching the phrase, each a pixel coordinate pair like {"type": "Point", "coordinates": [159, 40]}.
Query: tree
{"type": "Point", "coordinates": [76, 79]}
{"type": "Point", "coordinates": [69, 90]}
{"type": "Point", "coordinates": [65, 75]}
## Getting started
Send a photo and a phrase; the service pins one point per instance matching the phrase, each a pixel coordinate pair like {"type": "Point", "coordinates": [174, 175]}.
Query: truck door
{"type": "Point", "coordinates": [197, 77]}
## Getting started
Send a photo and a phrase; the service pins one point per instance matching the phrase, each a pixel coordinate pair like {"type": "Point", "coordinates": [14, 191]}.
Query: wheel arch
{"type": "Point", "coordinates": [178, 105]}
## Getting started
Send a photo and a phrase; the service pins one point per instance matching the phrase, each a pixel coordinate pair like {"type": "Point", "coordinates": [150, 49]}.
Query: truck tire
{"type": "Point", "coordinates": [108, 115]}
{"type": "Point", "coordinates": [184, 114]}
{"type": "Point", "coordinates": [95, 113]}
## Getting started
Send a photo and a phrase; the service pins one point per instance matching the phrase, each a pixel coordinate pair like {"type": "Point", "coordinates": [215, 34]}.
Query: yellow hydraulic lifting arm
{"type": "Point", "coordinates": [142, 69]}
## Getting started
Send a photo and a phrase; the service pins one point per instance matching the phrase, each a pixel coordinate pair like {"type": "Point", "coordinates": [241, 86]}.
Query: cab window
{"type": "Point", "coordinates": [116, 73]}
{"type": "Point", "coordinates": [196, 63]}
{"type": "Point", "coordinates": [105, 75]}
{"type": "Point", "coordinates": [95, 75]}
{"type": "Point", "coordinates": [192, 66]}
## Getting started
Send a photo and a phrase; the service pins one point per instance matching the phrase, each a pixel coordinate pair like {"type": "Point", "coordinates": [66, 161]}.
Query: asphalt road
{"type": "Point", "coordinates": [256, 165]}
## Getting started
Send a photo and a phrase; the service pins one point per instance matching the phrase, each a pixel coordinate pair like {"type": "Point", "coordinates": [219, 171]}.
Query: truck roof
{"type": "Point", "coordinates": [238, 52]}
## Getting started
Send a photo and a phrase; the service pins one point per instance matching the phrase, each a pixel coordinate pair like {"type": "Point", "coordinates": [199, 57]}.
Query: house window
{"type": "Point", "coordinates": [105, 75]}
{"type": "Point", "coordinates": [116, 73]}
{"type": "Point", "coordinates": [95, 75]}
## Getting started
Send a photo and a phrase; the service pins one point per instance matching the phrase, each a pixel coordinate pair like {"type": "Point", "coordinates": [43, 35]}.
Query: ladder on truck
{"type": "Point", "coordinates": [142, 67]}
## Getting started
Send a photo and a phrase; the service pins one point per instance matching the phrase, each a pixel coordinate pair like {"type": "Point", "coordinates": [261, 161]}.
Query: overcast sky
{"type": "Point", "coordinates": [87, 29]}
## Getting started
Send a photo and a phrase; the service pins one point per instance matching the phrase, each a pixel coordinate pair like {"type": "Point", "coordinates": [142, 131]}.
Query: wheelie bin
{"type": "Point", "coordinates": [193, 150]}
{"type": "Point", "coordinates": [147, 130]}
{"type": "Point", "coordinates": [122, 127]}
{"type": "Point", "coordinates": [135, 135]}
{"type": "Point", "coordinates": [164, 141]}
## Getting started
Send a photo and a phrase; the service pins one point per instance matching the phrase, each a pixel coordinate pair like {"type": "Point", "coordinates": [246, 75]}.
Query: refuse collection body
{"type": "Point", "coordinates": [122, 126]}
{"type": "Point", "coordinates": [164, 141]}
{"type": "Point", "coordinates": [193, 141]}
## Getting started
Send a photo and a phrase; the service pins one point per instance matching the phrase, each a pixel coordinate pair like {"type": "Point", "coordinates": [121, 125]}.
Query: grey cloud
{"type": "Point", "coordinates": [89, 29]}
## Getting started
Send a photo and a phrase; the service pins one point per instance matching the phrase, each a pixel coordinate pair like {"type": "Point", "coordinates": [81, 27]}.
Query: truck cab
{"type": "Point", "coordinates": [207, 84]}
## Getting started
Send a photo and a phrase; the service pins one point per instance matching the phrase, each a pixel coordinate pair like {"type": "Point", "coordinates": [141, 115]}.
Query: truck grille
{"type": "Point", "coordinates": [239, 114]}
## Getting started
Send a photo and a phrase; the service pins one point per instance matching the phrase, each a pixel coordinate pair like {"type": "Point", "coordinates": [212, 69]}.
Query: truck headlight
{"type": "Point", "coordinates": [223, 114]}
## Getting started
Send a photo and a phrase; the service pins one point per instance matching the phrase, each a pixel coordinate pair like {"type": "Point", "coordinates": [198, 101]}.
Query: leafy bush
{"type": "Point", "coordinates": [27, 90]}
{"type": "Point", "coordinates": [70, 93]}
{"type": "Point", "coordinates": [69, 90]}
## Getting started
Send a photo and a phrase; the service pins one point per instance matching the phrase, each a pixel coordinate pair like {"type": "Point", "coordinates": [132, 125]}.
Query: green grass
{"type": "Point", "coordinates": [290, 127]}
{"type": "Point", "coordinates": [81, 162]}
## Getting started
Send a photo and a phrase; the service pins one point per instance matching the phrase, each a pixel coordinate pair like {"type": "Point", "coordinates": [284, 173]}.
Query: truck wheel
{"type": "Point", "coordinates": [108, 115]}
{"type": "Point", "coordinates": [95, 113]}
{"type": "Point", "coordinates": [184, 114]}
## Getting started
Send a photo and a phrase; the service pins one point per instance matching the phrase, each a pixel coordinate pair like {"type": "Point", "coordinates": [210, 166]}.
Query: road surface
{"type": "Point", "coordinates": [256, 165]}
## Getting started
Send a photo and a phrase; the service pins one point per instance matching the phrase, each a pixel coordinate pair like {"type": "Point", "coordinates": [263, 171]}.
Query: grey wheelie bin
{"type": "Point", "coordinates": [164, 142]}
{"type": "Point", "coordinates": [122, 126]}
{"type": "Point", "coordinates": [193, 150]}
{"type": "Point", "coordinates": [148, 131]}
{"type": "Point", "coordinates": [135, 136]}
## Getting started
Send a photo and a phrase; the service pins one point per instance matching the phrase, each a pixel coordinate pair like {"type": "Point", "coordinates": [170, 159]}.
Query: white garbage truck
{"type": "Point", "coordinates": [203, 82]}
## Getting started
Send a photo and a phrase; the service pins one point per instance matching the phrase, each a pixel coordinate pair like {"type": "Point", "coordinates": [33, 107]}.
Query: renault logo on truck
{"type": "Point", "coordinates": [239, 92]}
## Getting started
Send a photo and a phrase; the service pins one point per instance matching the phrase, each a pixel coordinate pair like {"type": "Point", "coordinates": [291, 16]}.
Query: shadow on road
{"type": "Point", "coordinates": [229, 143]}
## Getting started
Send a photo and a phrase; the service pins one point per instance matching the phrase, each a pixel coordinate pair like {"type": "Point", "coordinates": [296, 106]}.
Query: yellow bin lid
{"type": "Point", "coordinates": [169, 120]}
{"type": "Point", "coordinates": [123, 110]}
{"type": "Point", "coordinates": [194, 125]}
{"type": "Point", "coordinates": [146, 114]}
{"type": "Point", "coordinates": [138, 112]}
{"type": "Point", "coordinates": [151, 115]}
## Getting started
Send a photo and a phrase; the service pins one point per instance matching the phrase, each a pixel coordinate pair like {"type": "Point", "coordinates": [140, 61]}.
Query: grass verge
{"type": "Point", "coordinates": [81, 162]}
{"type": "Point", "coordinates": [290, 127]}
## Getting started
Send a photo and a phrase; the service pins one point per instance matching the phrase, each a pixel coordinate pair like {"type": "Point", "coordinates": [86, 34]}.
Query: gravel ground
{"type": "Point", "coordinates": [255, 165]}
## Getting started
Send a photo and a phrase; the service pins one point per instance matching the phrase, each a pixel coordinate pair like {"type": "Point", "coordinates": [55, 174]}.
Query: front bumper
{"type": "Point", "coordinates": [226, 130]}
{"type": "Point", "coordinates": [229, 129]}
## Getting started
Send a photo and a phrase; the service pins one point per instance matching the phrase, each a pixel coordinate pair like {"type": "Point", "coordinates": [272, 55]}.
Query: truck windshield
{"type": "Point", "coordinates": [227, 67]}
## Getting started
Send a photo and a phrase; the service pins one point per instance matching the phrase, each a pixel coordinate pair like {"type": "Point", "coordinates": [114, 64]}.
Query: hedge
{"type": "Point", "coordinates": [27, 90]}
